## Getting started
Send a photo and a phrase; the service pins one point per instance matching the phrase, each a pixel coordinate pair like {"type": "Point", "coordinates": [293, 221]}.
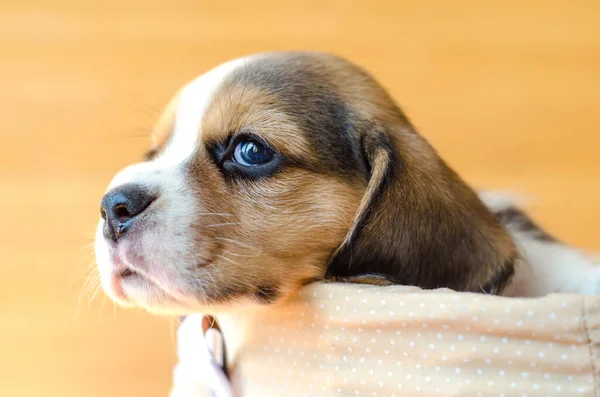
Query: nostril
{"type": "Point", "coordinates": [120, 206]}
{"type": "Point", "coordinates": [122, 213]}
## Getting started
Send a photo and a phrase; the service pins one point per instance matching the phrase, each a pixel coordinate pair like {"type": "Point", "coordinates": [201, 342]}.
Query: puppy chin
{"type": "Point", "coordinates": [129, 284]}
{"type": "Point", "coordinates": [136, 290]}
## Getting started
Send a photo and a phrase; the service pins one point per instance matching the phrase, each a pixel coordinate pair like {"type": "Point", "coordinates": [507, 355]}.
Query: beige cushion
{"type": "Point", "coordinates": [357, 340]}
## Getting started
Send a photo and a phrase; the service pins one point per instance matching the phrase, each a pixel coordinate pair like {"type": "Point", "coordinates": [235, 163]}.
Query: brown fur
{"type": "Point", "coordinates": [423, 224]}
{"type": "Point", "coordinates": [360, 196]}
{"type": "Point", "coordinates": [284, 227]}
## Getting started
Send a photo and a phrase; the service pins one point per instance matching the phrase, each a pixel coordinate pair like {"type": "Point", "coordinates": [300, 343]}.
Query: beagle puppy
{"type": "Point", "coordinates": [280, 169]}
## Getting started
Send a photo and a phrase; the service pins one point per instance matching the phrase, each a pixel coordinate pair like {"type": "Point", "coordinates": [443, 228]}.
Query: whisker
{"type": "Point", "coordinates": [216, 268]}
{"type": "Point", "coordinates": [102, 306]}
{"type": "Point", "coordinates": [86, 274]}
{"type": "Point", "coordinates": [150, 109]}
{"type": "Point", "coordinates": [241, 255]}
{"type": "Point", "coordinates": [234, 242]}
{"type": "Point", "coordinates": [228, 260]}
{"type": "Point", "coordinates": [95, 294]}
{"type": "Point", "coordinates": [88, 246]}
{"type": "Point", "coordinates": [212, 213]}
{"type": "Point", "coordinates": [209, 275]}
{"type": "Point", "coordinates": [202, 282]}
{"type": "Point", "coordinates": [223, 224]}
{"type": "Point", "coordinates": [86, 288]}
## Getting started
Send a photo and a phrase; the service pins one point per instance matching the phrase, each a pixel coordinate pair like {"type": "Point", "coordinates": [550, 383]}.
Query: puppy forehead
{"type": "Point", "coordinates": [298, 101]}
{"type": "Point", "coordinates": [224, 100]}
{"type": "Point", "coordinates": [295, 101]}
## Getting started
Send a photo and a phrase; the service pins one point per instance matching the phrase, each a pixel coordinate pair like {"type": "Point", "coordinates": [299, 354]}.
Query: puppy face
{"type": "Point", "coordinates": [273, 171]}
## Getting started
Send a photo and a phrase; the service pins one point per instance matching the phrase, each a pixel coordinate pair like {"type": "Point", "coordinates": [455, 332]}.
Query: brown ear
{"type": "Point", "coordinates": [419, 224]}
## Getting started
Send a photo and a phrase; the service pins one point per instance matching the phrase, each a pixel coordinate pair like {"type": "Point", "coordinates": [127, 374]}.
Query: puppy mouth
{"type": "Point", "coordinates": [126, 279]}
{"type": "Point", "coordinates": [133, 287]}
{"type": "Point", "coordinates": [130, 280]}
{"type": "Point", "coordinates": [128, 272]}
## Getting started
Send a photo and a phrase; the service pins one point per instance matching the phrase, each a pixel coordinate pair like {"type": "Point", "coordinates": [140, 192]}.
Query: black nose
{"type": "Point", "coordinates": [120, 206]}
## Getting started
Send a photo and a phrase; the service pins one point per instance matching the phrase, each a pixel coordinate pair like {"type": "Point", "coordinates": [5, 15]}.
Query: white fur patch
{"type": "Point", "coordinates": [498, 201]}
{"type": "Point", "coordinates": [552, 268]}
{"type": "Point", "coordinates": [157, 251]}
{"type": "Point", "coordinates": [194, 101]}
{"type": "Point", "coordinates": [549, 267]}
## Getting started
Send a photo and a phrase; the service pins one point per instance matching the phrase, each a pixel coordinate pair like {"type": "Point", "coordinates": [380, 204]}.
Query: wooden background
{"type": "Point", "coordinates": [508, 91]}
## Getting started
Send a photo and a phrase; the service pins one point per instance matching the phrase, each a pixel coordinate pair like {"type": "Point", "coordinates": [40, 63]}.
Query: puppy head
{"type": "Point", "coordinates": [271, 171]}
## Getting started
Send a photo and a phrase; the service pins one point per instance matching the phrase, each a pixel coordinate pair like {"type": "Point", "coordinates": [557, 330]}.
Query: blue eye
{"type": "Point", "coordinates": [251, 152]}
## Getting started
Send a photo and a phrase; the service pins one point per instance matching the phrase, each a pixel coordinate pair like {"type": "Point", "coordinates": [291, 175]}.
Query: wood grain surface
{"type": "Point", "coordinates": [508, 91]}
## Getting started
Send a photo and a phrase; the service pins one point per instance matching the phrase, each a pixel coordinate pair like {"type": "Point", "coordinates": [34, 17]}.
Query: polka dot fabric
{"type": "Point", "coordinates": [356, 340]}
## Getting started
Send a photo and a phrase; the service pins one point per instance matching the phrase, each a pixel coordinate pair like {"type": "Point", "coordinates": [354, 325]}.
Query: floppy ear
{"type": "Point", "coordinates": [419, 224]}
